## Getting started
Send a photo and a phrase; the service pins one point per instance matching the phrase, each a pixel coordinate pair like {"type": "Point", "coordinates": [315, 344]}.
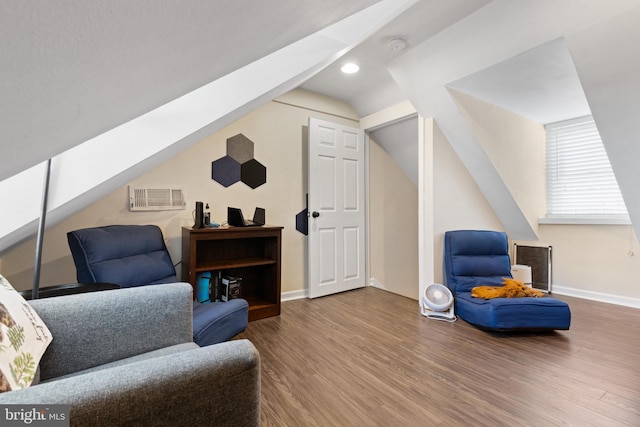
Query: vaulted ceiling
{"type": "Point", "coordinates": [74, 71]}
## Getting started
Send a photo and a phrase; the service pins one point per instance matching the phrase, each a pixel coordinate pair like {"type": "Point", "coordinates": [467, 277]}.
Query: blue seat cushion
{"type": "Point", "coordinates": [136, 255]}
{"type": "Point", "coordinates": [217, 322]}
{"type": "Point", "coordinates": [513, 313]}
{"type": "Point", "coordinates": [127, 255]}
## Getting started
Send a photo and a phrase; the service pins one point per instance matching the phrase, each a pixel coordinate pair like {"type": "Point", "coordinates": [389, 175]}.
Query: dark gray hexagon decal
{"type": "Point", "coordinates": [253, 173]}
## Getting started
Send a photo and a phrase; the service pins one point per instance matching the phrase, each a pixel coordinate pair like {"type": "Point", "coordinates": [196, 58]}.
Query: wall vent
{"type": "Point", "coordinates": [156, 199]}
{"type": "Point", "coordinates": [539, 259]}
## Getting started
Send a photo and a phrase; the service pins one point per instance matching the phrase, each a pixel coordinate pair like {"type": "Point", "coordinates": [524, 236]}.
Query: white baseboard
{"type": "Point", "coordinates": [560, 290]}
{"type": "Point", "coordinates": [597, 296]}
{"type": "Point", "coordinates": [293, 295]}
{"type": "Point", "coordinates": [374, 283]}
{"type": "Point", "coordinates": [302, 293]}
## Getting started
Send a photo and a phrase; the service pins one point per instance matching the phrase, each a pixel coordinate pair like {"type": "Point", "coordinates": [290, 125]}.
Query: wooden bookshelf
{"type": "Point", "coordinates": [252, 253]}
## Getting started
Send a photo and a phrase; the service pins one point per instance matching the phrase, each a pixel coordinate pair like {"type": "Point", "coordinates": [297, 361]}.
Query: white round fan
{"type": "Point", "coordinates": [437, 303]}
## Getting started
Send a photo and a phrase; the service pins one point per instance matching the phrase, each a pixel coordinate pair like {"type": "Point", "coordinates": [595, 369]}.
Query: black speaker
{"type": "Point", "coordinates": [199, 216]}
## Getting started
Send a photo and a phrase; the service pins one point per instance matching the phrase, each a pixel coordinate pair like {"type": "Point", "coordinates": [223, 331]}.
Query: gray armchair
{"type": "Point", "coordinates": [127, 357]}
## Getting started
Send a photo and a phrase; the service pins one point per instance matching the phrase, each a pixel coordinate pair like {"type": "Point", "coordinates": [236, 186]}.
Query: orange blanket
{"type": "Point", "coordinates": [512, 289]}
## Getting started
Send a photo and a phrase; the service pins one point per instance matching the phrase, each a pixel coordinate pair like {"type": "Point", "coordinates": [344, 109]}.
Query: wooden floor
{"type": "Point", "coordinates": [368, 358]}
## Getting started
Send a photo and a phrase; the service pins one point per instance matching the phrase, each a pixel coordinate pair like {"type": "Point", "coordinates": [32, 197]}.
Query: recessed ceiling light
{"type": "Point", "coordinates": [350, 68]}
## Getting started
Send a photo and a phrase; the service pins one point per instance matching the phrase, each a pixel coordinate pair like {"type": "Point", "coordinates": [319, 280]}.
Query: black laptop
{"type": "Point", "coordinates": [236, 218]}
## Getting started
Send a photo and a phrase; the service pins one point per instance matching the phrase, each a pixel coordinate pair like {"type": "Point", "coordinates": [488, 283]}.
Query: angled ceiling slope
{"type": "Point", "coordinates": [501, 30]}
{"type": "Point", "coordinates": [160, 133]}
{"type": "Point", "coordinates": [607, 62]}
{"type": "Point", "coordinates": [72, 70]}
{"type": "Point", "coordinates": [373, 88]}
{"type": "Point", "coordinates": [541, 84]}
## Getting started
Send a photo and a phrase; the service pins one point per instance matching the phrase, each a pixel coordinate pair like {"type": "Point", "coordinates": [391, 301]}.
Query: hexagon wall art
{"type": "Point", "coordinates": [239, 164]}
{"type": "Point", "coordinates": [253, 173]}
{"type": "Point", "coordinates": [225, 170]}
{"type": "Point", "coordinates": [240, 148]}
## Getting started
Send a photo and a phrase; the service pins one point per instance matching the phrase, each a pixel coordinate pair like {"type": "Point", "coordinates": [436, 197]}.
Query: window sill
{"type": "Point", "coordinates": [586, 220]}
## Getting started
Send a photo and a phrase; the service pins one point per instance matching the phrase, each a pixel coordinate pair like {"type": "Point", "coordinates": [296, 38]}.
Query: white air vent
{"type": "Point", "coordinates": [156, 199]}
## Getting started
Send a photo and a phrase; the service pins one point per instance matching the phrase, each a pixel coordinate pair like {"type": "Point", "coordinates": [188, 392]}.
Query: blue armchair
{"type": "Point", "coordinates": [136, 255]}
{"type": "Point", "coordinates": [474, 258]}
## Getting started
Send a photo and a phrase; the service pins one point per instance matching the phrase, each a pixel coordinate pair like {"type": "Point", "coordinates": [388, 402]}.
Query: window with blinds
{"type": "Point", "coordinates": [580, 181]}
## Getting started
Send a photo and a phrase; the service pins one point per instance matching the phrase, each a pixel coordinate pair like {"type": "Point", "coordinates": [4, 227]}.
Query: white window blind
{"type": "Point", "coordinates": [580, 181]}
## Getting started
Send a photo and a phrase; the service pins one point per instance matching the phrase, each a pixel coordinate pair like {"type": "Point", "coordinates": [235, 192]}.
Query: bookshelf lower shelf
{"type": "Point", "coordinates": [259, 309]}
{"type": "Point", "coordinates": [250, 253]}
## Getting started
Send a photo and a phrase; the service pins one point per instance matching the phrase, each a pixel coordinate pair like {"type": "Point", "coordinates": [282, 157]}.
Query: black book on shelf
{"type": "Point", "coordinates": [216, 284]}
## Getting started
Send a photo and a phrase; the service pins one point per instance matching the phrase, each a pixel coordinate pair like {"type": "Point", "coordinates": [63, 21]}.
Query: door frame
{"type": "Point", "coordinates": [394, 114]}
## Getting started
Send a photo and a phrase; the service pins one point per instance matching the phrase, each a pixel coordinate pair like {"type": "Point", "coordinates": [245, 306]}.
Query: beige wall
{"type": "Point", "coordinates": [594, 261]}
{"type": "Point", "coordinates": [278, 131]}
{"type": "Point", "coordinates": [591, 261]}
{"type": "Point", "coordinates": [516, 146]}
{"type": "Point", "coordinates": [393, 225]}
{"type": "Point", "coordinates": [458, 202]}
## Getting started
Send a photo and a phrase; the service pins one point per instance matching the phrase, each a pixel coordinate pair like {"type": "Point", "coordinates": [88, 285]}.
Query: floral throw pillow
{"type": "Point", "coordinates": [23, 339]}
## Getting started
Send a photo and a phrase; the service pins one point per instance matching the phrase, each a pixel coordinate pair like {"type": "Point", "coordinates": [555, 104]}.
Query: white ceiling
{"type": "Point", "coordinates": [373, 88]}
{"type": "Point", "coordinates": [73, 69]}
{"type": "Point", "coordinates": [541, 84]}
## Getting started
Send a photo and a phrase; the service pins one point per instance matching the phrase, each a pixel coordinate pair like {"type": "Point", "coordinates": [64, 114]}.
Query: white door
{"type": "Point", "coordinates": [336, 242]}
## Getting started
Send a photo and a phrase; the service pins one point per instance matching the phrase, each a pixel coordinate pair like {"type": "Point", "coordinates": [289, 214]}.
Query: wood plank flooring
{"type": "Point", "coordinates": [368, 358]}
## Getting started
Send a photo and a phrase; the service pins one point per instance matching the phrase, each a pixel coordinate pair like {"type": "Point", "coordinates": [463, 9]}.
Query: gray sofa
{"type": "Point", "coordinates": [127, 357]}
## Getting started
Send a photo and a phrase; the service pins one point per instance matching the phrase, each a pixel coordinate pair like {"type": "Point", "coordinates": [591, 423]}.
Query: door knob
{"type": "Point", "coordinates": [315, 214]}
